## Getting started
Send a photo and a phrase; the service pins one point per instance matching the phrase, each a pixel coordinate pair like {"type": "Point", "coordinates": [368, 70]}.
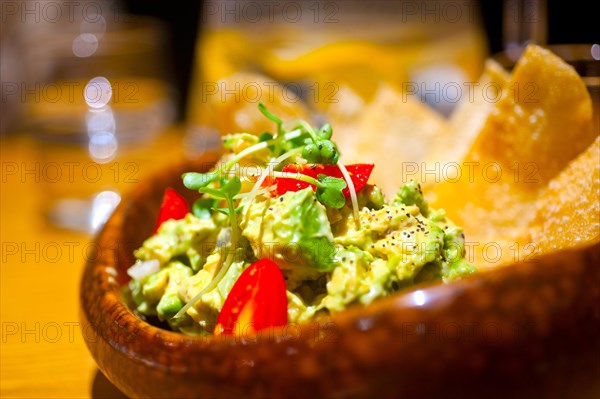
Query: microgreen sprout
{"type": "Point", "coordinates": [329, 189]}
{"type": "Point", "coordinates": [202, 207]}
{"type": "Point", "coordinates": [263, 109]}
{"type": "Point", "coordinates": [195, 180]}
{"type": "Point", "coordinates": [318, 148]}
{"type": "Point", "coordinates": [227, 190]}
{"type": "Point", "coordinates": [269, 171]}
{"type": "Point", "coordinates": [352, 191]}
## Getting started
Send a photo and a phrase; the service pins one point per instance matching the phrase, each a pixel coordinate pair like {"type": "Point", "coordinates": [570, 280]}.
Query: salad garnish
{"type": "Point", "coordinates": [316, 147]}
{"type": "Point", "coordinates": [283, 231]}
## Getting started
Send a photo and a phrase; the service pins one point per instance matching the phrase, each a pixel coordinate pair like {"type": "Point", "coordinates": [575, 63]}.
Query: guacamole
{"type": "Point", "coordinates": [337, 241]}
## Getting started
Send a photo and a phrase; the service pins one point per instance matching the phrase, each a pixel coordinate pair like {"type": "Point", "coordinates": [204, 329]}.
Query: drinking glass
{"type": "Point", "coordinates": [327, 55]}
{"type": "Point", "coordinates": [97, 93]}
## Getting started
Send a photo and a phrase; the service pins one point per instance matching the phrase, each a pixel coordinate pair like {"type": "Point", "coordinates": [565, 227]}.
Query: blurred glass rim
{"type": "Point", "coordinates": [582, 56]}
{"type": "Point", "coordinates": [133, 33]}
{"type": "Point", "coordinates": [138, 26]}
{"type": "Point", "coordinates": [129, 32]}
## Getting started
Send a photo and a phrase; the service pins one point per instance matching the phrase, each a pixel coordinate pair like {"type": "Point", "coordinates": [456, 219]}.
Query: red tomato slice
{"type": "Point", "coordinates": [284, 185]}
{"type": "Point", "coordinates": [257, 300]}
{"type": "Point", "coordinates": [173, 206]}
{"type": "Point", "coordinates": [359, 173]}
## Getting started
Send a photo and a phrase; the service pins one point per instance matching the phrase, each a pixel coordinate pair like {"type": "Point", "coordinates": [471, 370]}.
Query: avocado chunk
{"type": "Point", "coordinates": [357, 279]}
{"type": "Point", "coordinates": [206, 310]}
{"type": "Point", "coordinates": [397, 234]}
{"type": "Point", "coordinates": [294, 232]}
{"type": "Point", "coordinates": [168, 306]}
{"type": "Point", "coordinates": [157, 294]}
{"type": "Point", "coordinates": [191, 239]}
{"type": "Point", "coordinates": [455, 265]}
{"type": "Point", "coordinates": [411, 194]}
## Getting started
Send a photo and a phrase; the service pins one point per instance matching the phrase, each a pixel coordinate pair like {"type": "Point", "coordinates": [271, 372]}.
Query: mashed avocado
{"type": "Point", "coordinates": [190, 239]}
{"type": "Point", "coordinates": [293, 230]}
{"type": "Point", "coordinates": [329, 264]}
{"type": "Point", "coordinates": [334, 250]}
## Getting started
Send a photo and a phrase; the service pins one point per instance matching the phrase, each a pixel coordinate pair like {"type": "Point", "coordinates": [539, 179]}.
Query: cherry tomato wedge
{"type": "Point", "coordinates": [359, 173]}
{"type": "Point", "coordinates": [173, 206]}
{"type": "Point", "coordinates": [257, 300]}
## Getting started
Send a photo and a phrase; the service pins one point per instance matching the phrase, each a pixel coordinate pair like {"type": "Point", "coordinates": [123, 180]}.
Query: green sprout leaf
{"type": "Point", "coordinates": [329, 191]}
{"type": "Point", "coordinates": [325, 132]}
{"type": "Point", "coordinates": [265, 136]}
{"type": "Point", "coordinates": [232, 187]}
{"type": "Point", "coordinates": [332, 182]}
{"type": "Point", "coordinates": [195, 181]}
{"type": "Point", "coordinates": [329, 152]}
{"type": "Point", "coordinates": [213, 192]}
{"type": "Point", "coordinates": [202, 208]}
{"type": "Point", "coordinates": [321, 151]}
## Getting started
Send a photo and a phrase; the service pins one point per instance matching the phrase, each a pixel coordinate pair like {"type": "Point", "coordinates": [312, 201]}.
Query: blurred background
{"type": "Point", "coordinates": [95, 84]}
{"type": "Point", "coordinates": [97, 95]}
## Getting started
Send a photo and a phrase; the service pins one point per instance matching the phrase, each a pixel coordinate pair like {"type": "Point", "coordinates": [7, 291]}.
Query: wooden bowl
{"type": "Point", "coordinates": [528, 330]}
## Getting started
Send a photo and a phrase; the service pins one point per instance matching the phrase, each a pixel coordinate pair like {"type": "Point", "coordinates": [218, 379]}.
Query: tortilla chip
{"type": "Point", "coordinates": [542, 120]}
{"type": "Point", "coordinates": [230, 105]}
{"type": "Point", "coordinates": [568, 211]}
{"type": "Point", "coordinates": [467, 120]}
{"type": "Point", "coordinates": [395, 131]}
{"type": "Point", "coordinates": [544, 116]}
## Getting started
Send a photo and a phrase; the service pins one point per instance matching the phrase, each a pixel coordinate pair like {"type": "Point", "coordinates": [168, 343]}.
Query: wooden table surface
{"type": "Point", "coordinates": [43, 354]}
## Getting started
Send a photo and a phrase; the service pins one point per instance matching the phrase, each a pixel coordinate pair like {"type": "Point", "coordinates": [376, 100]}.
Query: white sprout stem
{"type": "Point", "coordinates": [296, 176]}
{"type": "Point", "coordinates": [263, 176]}
{"type": "Point", "coordinates": [257, 147]}
{"type": "Point", "coordinates": [307, 127]}
{"type": "Point", "coordinates": [269, 170]}
{"type": "Point", "coordinates": [352, 190]}
{"type": "Point", "coordinates": [209, 287]}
